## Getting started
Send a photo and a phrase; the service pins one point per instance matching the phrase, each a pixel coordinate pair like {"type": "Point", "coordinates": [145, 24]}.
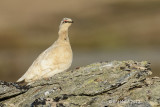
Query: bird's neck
{"type": "Point", "coordinates": [63, 34]}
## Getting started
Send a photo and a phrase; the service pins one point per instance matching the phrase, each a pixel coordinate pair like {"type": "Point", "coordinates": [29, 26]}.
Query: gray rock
{"type": "Point", "coordinates": [9, 89]}
{"type": "Point", "coordinates": [106, 84]}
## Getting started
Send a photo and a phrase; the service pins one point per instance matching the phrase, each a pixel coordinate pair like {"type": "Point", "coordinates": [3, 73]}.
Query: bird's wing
{"type": "Point", "coordinates": [42, 63]}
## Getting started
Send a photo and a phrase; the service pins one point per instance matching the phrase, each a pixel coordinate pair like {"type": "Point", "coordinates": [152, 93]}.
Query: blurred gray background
{"type": "Point", "coordinates": [104, 30]}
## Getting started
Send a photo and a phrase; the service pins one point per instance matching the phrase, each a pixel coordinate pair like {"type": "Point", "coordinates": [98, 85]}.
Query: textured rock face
{"type": "Point", "coordinates": [116, 83]}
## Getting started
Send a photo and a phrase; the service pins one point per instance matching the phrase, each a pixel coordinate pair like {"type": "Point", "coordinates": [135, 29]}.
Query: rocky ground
{"type": "Point", "coordinates": [103, 84]}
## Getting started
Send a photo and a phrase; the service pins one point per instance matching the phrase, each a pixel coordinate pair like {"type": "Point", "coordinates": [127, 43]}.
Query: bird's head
{"type": "Point", "coordinates": [66, 23]}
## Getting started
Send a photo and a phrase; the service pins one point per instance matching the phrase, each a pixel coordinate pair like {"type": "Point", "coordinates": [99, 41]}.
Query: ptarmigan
{"type": "Point", "coordinates": [57, 58]}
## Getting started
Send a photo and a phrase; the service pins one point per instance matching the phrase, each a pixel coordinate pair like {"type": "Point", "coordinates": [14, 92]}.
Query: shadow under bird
{"type": "Point", "coordinates": [57, 58]}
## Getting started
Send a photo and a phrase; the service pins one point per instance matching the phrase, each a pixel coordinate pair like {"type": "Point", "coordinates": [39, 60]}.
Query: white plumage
{"type": "Point", "coordinates": [57, 58]}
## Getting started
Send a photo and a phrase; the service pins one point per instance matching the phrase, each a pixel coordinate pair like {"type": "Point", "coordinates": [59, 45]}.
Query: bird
{"type": "Point", "coordinates": [57, 58]}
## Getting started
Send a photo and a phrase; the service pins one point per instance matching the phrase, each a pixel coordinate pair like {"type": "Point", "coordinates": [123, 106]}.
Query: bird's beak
{"type": "Point", "coordinates": [68, 21]}
{"type": "Point", "coordinates": [71, 22]}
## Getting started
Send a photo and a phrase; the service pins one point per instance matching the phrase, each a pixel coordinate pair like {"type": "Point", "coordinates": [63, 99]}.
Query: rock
{"type": "Point", "coordinates": [106, 84]}
{"type": "Point", "coordinates": [9, 89]}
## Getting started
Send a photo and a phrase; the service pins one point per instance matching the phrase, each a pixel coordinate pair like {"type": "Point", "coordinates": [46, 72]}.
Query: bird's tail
{"type": "Point", "coordinates": [21, 79]}
{"type": "Point", "coordinates": [21, 82]}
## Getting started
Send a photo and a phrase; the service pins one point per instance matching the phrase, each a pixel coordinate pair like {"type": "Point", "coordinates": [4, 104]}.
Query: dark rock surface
{"type": "Point", "coordinates": [106, 84]}
{"type": "Point", "coordinates": [9, 89]}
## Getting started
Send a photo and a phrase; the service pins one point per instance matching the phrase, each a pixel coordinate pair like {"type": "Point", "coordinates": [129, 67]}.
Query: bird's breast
{"type": "Point", "coordinates": [62, 55]}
